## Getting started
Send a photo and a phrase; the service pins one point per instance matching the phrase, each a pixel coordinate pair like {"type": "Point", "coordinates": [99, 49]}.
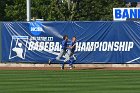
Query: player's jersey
{"type": "Point", "coordinates": [71, 44]}
{"type": "Point", "coordinates": [64, 44]}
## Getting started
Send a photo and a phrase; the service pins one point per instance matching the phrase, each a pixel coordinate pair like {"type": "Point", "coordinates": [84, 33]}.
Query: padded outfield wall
{"type": "Point", "coordinates": [97, 42]}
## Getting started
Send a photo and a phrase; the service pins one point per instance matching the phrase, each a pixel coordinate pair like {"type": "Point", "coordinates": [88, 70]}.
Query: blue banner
{"type": "Point", "coordinates": [97, 42]}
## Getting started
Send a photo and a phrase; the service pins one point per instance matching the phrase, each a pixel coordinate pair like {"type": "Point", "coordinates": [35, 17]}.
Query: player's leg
{"type": "Point", "coordinates": [67, 57]}
{"type": "Point", "coordinates": [51, 60]}
{"type": "Point", "coordinates": [72, 60]}
{"type": "Point", "coordinates": [70, 64]}
{"type": "Point", "coordinates": [62, 52]}
{"type": "Point", "coordinates": [62, 65]}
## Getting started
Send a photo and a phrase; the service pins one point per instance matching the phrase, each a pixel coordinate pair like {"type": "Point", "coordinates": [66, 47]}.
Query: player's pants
{"type": "Point", "coordinates": [71, 57]}
{"type": "Point", "coordinates": [62, 53]}
{"type": "Point", "coordinates": [68, 54]}
{"type": "Point", "coordinates": [71, 61]}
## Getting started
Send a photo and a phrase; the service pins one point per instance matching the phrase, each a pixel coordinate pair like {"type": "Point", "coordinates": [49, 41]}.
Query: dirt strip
{"type": "Point", "coordinates": [79, 68]}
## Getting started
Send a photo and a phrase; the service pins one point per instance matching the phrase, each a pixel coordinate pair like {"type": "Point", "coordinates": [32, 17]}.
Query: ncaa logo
{"type": "Point", "coordinates": [36, 28]}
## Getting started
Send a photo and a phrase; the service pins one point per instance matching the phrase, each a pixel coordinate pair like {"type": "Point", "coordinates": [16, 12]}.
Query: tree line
{"type": "Point", "coordinates": [60, 10]}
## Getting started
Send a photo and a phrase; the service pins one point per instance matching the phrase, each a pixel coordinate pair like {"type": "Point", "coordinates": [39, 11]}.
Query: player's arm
{"type": "Point", "coordinates": [69, 45]}
{"type": "Point", "coordinates": [63, 44]}
{"type": "Point", "coordinates": [73, 46]}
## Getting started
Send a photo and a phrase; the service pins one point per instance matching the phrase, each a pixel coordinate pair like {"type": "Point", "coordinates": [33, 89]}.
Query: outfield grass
{"type": "Point", "coordinates": [83, 81]}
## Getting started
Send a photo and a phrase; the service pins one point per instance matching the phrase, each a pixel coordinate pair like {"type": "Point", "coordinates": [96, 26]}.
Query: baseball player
{"type": "Point", "coordinates": [71, 51]}
{"type": "Point", "coordinates": [62, 52]}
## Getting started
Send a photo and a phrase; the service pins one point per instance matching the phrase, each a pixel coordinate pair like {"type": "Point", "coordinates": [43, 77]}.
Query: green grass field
{"type": "Point", "coordinates": [82, 81]}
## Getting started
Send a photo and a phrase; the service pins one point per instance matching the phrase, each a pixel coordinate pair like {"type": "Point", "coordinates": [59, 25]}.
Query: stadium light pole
{"type": "Point", "coordinates": [68, 4]}
{"type": "Point", "coordinates": [28, 4]}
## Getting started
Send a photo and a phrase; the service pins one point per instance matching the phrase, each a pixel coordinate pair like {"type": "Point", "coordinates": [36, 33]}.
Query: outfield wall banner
{"type": "Point", "coordinates": [97, 42]}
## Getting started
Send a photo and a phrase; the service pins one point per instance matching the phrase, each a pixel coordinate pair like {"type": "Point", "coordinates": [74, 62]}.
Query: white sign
{"type": "Point", "coordinates": [121, 14]}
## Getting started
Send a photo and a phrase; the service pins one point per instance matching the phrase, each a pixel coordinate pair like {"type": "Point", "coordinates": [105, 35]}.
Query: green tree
{"type": "Point", "coordinates": [2, 12]}
{"type": "Point", "coordinates": [58, 11]}
{"type": "Point", "coordinates": [16, 10]}
{"type": "Point", "coordinates": [40, 8]}
{"type": "Point", "coordinates": [107, 13]}
{"type": "Point", "coordinates": [88, 10]}
{"type": "Point", "coordinates": [83, 10]}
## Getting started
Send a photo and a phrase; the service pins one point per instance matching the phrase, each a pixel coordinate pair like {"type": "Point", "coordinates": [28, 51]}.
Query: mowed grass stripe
{"type": "Point", "coordinates": [82, 81]}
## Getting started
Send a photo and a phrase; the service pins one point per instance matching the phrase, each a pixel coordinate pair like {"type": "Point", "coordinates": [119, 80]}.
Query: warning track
{"type": "Point", "coordinates": [78, 68]}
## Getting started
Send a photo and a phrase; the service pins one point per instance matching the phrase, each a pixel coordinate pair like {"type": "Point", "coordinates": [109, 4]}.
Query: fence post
{"type": "Point", "coordinates": [0, 42]}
